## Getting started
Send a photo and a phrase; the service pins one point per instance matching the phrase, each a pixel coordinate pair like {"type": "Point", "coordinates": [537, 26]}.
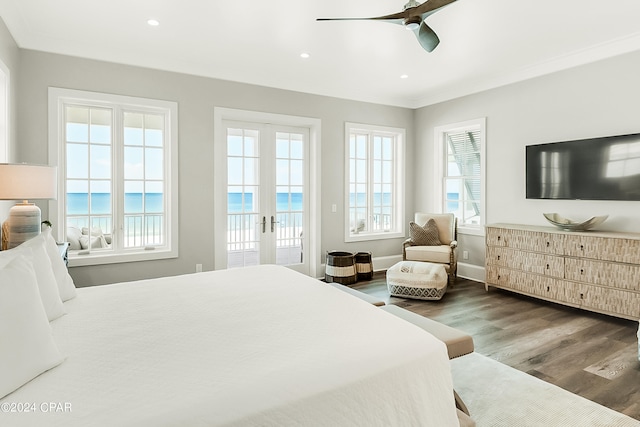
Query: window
{"type": "Point", "coordinates": [462, 147]}
{"type": "Point", "coordinates": [375, 182]}
{"type": "Point", "coordinates": [117, 168]}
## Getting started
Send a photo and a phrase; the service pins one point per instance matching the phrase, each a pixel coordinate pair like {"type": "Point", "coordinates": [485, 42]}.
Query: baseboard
{"type": "Point", "coordinates": [471, 272]}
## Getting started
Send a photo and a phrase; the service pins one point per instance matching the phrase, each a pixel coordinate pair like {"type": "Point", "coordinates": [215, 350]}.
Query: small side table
{"type": "Point", "coordinates": [63, 247]}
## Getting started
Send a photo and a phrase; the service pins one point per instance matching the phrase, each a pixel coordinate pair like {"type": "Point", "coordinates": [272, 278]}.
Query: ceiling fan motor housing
{"type": "Point", "coordinates": [413, 22]}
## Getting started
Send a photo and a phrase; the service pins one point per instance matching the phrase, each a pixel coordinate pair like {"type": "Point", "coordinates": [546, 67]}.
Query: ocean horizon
{"type": "Point", "coordinates": [78, 203]}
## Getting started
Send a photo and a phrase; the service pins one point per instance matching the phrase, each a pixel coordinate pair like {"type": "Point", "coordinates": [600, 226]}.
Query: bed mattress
{"type": "Point", "coordinates": [245, 347]}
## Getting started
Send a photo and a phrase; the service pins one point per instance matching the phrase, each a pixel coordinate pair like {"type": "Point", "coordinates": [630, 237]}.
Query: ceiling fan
{"type": "Point", "coordinates": [412, 17]}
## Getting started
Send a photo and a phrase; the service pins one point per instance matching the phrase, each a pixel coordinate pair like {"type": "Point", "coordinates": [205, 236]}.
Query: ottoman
{"type": "Point", "coordinates": [419, 280]}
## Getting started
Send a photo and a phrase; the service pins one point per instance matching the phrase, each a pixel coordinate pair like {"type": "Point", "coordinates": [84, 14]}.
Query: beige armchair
{"type": "Point", "coordinates": [445, 253]}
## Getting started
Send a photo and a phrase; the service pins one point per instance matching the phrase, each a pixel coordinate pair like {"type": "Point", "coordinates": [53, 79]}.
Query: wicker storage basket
{"type": "Point", "coordinates": [364, 265]}
{"type": "Point", "coordinates": [340, 268]}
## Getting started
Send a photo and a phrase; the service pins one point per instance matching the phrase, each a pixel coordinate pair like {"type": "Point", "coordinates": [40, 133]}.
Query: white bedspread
{"type": "Point", "coordinates": [260, 346]}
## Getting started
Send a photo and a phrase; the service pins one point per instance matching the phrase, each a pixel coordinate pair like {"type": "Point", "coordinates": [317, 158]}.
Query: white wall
{"type": "Point", "coordinates": [597, 99]}
{"type": "Point", "coordinates": [197, 97]}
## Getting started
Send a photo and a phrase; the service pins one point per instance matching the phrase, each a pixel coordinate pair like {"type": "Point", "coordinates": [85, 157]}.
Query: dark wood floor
{"type": "Point", "coordinates": [592, 355]}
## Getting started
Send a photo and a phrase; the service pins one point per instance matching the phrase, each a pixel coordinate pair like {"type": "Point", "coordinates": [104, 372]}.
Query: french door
{"type": "Point", "coordinates": [267, 199]}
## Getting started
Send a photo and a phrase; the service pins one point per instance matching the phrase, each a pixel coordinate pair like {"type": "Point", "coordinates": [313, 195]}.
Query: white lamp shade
{"type": "Point", "coordinates": [23, 182]}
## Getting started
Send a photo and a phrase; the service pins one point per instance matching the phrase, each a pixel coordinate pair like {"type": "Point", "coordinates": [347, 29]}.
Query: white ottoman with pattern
{"type": "Point", "coordinates": [419, 280]}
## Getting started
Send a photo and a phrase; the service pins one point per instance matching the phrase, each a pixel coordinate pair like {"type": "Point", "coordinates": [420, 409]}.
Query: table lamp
{"type": "Point", "coordinates": [24, 182]}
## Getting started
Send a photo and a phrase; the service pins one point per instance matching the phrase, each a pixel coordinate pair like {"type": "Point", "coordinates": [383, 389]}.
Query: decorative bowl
{"type": "Point", "coordinates": [570, 225]}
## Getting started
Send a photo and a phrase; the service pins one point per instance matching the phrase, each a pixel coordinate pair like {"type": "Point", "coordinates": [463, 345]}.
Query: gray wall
{"type": "Point", "coordinates": [196, 98]}
{"type": "Point", "coordinates": [9, 54]}
{"type": "Point", "coordinates": [597, 99]}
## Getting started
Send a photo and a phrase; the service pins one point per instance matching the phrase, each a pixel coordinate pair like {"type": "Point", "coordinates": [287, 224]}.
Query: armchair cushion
{"type": "Point", "coordinates": [426, 235]}
{"type": "Point", "coordinates": [440, 254]}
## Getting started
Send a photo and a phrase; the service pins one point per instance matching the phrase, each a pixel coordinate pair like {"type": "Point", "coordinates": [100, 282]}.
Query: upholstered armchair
{"type": "Point", "coordinates": [424, 246]}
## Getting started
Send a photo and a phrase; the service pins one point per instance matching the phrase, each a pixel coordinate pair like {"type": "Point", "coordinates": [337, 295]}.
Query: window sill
{"type": "Point", "coordinates": [373, 236]}
{"type": "Point", "coordinates": [101, 258]}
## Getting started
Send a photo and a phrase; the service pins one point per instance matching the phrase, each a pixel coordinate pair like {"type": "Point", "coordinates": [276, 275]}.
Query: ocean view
{"type": "Point", "coordinates": [234, 202]}
{"type": "Point", "coordinates": [78, 203]}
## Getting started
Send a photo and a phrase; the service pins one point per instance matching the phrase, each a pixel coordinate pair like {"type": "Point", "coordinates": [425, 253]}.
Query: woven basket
{"type": "Point", "coordinates": [340, 268]}
{"type": "Point", "coordinates": [364, 266]}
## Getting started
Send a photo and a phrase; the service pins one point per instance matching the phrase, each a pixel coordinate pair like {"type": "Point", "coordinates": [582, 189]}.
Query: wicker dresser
{"type": "Point", "coordinates": [597, 271]}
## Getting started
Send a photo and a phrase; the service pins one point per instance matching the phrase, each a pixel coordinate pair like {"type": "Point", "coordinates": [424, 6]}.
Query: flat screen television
{"type": "Point", "coordinates": [606, 168]}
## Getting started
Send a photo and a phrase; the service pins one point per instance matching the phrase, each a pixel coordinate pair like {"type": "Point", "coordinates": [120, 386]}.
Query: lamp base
{"type": "Point", "coordinates": [24, 223]}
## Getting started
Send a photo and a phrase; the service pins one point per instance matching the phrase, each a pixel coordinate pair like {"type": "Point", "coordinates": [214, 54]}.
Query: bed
{"type": "Point", "coordinates": [245, 347]}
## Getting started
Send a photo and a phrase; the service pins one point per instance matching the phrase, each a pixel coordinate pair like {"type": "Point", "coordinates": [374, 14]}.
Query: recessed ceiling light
{"type": "Point", "coordinates": [304, 55]}
{"type": "Point", "coordinates": [404, 76]}
{"type": "Point", "coordinates": [153, 22]}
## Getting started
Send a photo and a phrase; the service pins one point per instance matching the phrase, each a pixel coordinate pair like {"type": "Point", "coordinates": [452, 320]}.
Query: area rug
{"type": "Point", "coordinates": [498, 395]}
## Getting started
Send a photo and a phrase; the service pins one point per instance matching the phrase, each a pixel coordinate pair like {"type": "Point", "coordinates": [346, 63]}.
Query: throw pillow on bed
{"type": "Point", "coordinates": [424, 236]}
{"type": "Point", "coordinates": [45, 278]}
{"type": "Point", "coordinates": [66, 287]}
{"type": "Point", "coordinates": [28, 348]}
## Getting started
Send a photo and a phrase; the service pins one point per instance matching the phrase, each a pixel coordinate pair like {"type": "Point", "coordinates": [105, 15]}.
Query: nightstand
{"type": "Point", "coordinates": [63, 248]}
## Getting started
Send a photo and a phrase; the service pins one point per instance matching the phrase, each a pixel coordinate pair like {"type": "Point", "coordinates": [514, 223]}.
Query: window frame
{"type": "Point", "coordinates": [398, 181]}
{"type": "Point", "coordinates": [58, 99]}
{"type": "Point", "coordinates": [440, 169]}
{"type": "Point", "coordinates": [5, 109]}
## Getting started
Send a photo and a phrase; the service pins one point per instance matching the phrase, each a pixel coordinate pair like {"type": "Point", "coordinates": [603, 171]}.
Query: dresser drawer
{"type": "Point", "coordinates": [622, 276]}
{"type": "Point", "coordinates": [531, 262]}
{"type": "Point", "coordinates": [537, 285]}
{"type": "Point", "coordinates": [603, 248]}
{"type": "Point", "coordinates": [604, 299]}
{"type": "Point", "coordinates": [527, 240]}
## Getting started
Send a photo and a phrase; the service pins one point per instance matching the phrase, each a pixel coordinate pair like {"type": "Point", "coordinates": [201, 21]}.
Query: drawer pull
{"type": "Point", "coordinates": [499, 238]}
{"type": "Point", "coordinates": [581, 247]}
{"type": "Point", "coordinates": [547, 244]}
{"type": "Point", "coordinates": [498, 257]}
{"type": "Point", "coordinates": [498, 277]}
{"type": "Point", "coordinates": [581, 296]}
{"type": "Point", "coordinates": [547, 266]}
{"type": "Point", "coordinates": [548, 288]}
{"type": "Point", "coordinates": [581, 271]}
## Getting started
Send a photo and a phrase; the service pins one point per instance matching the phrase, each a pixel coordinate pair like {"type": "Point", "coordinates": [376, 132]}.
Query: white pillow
{"type": "Point", "coordinates": [73, 237]}
{"type": "Point", "coordinates": [95, 231]}
{"type": "Point", "coordinates": [97, 242]}
{"type": "Point", "coordinates": [66, 287]}
{"type": "Point", "coordinates": [28, 348]}
{"type": "Point", "coordinates": [44, 274]}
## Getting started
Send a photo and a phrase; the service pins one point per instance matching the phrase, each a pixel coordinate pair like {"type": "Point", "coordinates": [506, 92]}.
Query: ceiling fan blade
{"type": "Point", "coordinates": [429, 7]}
{"type": "Point", "coordinates": [392, 17]}
{"type": "Point", "coordinates": [392, 21]}
{"type": "Point", "coordinates": [427, 38]}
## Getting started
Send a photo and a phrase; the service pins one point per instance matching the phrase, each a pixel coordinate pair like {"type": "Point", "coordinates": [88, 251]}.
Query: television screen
{"type": "Point", "coordinates": [605, 168]}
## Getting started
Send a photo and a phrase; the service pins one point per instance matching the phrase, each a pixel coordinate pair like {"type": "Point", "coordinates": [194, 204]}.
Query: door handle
{"type": "Point", "coordinates": [273, 223]}
{"type": "Point", "coordinates": [264, 224]}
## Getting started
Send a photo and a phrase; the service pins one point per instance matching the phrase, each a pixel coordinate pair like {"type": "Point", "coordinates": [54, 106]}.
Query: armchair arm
{"type": "Point", "coordinates": [404, 248]}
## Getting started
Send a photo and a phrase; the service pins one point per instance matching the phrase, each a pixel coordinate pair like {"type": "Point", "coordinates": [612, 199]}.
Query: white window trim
{"type": "Point", "coordinates": [398, 203]}
{"type": "Point", "coordinates": [440, 167]}
{"type": "Point", "coordinates": [5, 109]}
{"type": "Point", "coordinates": [57, 98]}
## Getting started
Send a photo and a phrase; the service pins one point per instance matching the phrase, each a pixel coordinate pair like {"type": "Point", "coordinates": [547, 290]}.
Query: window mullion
{"type": "Point", "coordinates": [370, 184]}
{"type": "Point", "coordinates": [117, 141]}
